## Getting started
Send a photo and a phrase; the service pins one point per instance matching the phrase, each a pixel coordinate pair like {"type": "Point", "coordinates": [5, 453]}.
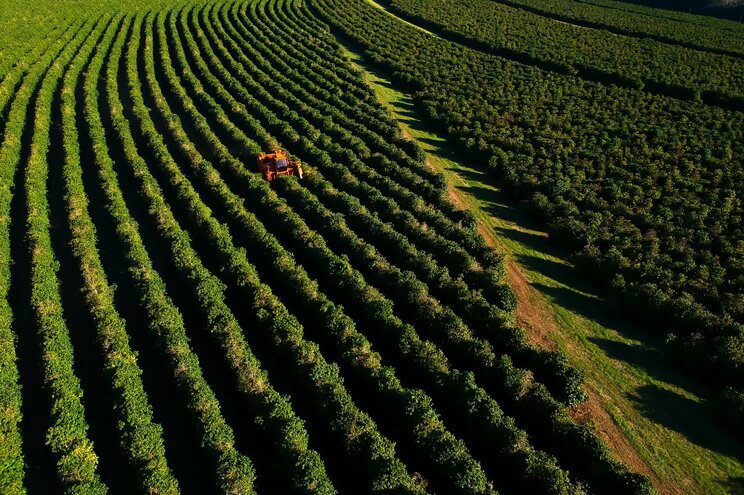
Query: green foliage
{"type": "Point", "coordinates": [140, 436]}
{"type": "Point", "coordinates": [627, 179]}
{"type": "Point", "coordinates": [233, 471]}
{"type": "Point", "coordinates": [386, 312]}
{"type": "Point", "coordinates": [66, 436]}
{"type": "Point", "coordinates": [594, 54]}
{"type": "Point", "coordinates": [732, 404]}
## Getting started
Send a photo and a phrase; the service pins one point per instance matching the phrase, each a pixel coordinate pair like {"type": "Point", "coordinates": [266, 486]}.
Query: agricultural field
{"type": "Point", "coordinates": [643, 187]}
{"type": "Point", "coordinates": [172, 322]}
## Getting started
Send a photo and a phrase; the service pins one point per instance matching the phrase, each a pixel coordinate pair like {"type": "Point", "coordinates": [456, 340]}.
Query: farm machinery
{"type": "Point", "coordinates": [277, 163]}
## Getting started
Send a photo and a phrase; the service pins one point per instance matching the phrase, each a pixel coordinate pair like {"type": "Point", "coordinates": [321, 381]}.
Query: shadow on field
{"type": "Point", "coordinates": [562, 273]}
{"type": "Point", "coordinates": [693, 419]}
{"type": "Point", "coordinates": [645, 352]}
{"type": "Point", "coordinates": [733, 486]}
{"type": "Point", "coordinates": [681, 414]}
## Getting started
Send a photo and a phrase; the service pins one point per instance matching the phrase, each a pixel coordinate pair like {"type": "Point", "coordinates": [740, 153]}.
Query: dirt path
{"type": "Point", "coordinates": [531, 315]}
{"type": "Point", "coordinates": [651, 418]}
{"type": "Point", "coordinates": [535, 317]}
{"type": "Point", "coordinates": [594, 410]}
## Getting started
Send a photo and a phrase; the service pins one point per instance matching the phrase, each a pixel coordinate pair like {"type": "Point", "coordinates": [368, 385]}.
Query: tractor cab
{"type": "Point", "coordinates": [277, 163]}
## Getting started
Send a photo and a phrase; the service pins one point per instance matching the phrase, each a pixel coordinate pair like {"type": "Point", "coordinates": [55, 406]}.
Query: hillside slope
{"type": "Point", "coordinates": [653, 418]}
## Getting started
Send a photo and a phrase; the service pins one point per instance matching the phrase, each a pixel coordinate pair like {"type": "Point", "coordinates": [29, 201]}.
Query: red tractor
{"type": "Point", "coordinates": [271, 165]}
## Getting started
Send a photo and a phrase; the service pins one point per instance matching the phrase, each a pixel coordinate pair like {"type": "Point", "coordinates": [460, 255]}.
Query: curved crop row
{"type": "Point", "coordinates": [269, 407]}
{"type": "Point", "coordinates": [247, 221]}
{"type": "Point", "coordinates": [443, 318]}
{"type": "Point", "coordinates": [11, 455]}
{"type": "Point", "coordinates": [487, 322]}
{"type": "Point", "coordinates": [140, 437]}
{"type": "Point", "coordinates": [11, 81]}
{"type": "Point", "coordinates": [353, 328]}
{"type": "Point", "coordinates": [474, 242]}
{"type": "Point", "coordinates": [361, 120]}
{"type": "Point", "coordinates": [643, 189]}
{"type": "Point", "coordinates": [67, 435]}
{"type": "Point", "coordinates": [431, 432]}
{"type": "Point", "coordinates": [310, 121]}
{"type": "Point", "coordinates": [431, 215]}
{"type": "Point", "coordinates": [306, 55]}
{"type": "Point", "coordinates": [362, 105]}
{"type": "Point", "coordinates": [233, 471]}
{"type": "Point", "coordinates": [273, 319]}
{"type": "Point", "coordinates": [479, 412]}
{"type": "Point", "coordinates": [564, 428]}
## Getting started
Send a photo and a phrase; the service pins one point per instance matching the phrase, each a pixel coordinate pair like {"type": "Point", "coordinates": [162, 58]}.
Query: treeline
{"type": "Point", "coordinates": [699, 7]}
{"type": "Point", "coordinates": [589, 53]}
{"type": "Point", "coordinates": [697, 33]}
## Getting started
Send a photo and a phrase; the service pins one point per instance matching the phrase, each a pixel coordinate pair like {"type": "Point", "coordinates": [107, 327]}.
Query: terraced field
{"type": "Point", "coordinates": [170, 323]}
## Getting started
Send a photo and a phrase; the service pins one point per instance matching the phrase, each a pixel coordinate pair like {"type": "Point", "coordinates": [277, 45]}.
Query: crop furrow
{"type": "Point", "coordinates": [89, 364]}
{"type": "Point", "coordinates": [21, 85]}
{"type": "Point", "coordinates": [67, 434]}
{"type": "Point", "coordinates": [140, 437]}
{"type": "Point", "coordinates": [232, 471]}
{"type": "Point", "coordinates": [258, 248]}
{"type": "Point", "coordinates": [182, 445]}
